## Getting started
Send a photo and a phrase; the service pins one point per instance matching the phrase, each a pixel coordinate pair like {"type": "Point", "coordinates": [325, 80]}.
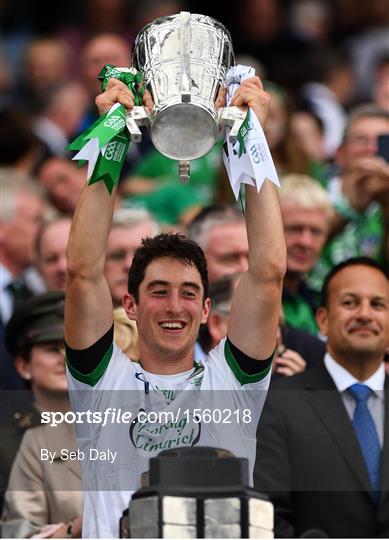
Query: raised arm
{"type": "Point", "coordinates": [88, 302]}
{"type": "Point", "coordinates": [255, 310]}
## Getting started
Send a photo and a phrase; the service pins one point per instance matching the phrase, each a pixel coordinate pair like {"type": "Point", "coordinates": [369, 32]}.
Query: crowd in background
{"type": "Point", "coordinates": [325, 64]}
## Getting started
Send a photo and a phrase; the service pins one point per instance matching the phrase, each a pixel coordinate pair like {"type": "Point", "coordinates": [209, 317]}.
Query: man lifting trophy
{"type": "Point", "coordinates": [184, 87]}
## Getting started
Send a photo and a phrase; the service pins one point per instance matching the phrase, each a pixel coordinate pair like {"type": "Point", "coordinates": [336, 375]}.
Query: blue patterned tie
{"type": "Point", "coordinates": [367, 434]}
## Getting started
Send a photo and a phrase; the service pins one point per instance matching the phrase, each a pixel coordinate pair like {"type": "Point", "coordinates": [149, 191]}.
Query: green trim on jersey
{"type": "Point", "coordinates": [240, 375]}
{"type": "Point", "coordinates": [94, 376]}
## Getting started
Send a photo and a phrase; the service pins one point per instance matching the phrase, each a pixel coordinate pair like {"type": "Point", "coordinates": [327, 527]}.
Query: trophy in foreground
{"type": "Point", "coordinates": [197, 492]}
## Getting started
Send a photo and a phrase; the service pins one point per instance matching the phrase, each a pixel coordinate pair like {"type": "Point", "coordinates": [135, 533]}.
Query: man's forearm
{"type": "Point", "coordinates": [90, 228]}
{"type": "Point", "coordinates": [267, 252]}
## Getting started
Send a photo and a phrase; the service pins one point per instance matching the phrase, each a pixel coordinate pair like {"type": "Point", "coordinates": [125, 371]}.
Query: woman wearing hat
{"type": "Point", "coordinates": [42, 497]}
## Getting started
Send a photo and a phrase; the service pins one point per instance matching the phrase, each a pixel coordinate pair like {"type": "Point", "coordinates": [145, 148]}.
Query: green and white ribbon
{"type": "Point", "coordinates": [249, 161]}
{"type": "Point", "coordinates": [105, 143]}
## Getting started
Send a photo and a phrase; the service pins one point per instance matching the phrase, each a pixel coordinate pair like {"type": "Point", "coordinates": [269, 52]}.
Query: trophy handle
{"type": "Point", "coordinates": [136, 117]}
{"type": "Point", "coordinates": [232, 117]}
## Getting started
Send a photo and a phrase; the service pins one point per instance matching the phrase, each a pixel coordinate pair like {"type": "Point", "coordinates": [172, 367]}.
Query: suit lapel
{"type": "Point", "coordinates": [327, 403]}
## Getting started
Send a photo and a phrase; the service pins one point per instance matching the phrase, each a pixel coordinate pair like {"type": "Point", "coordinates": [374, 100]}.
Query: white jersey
{"type": "Point", "coordinates": [215, 404]}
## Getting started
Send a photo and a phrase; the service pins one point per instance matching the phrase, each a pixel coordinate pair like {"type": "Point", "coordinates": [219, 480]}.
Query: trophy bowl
{"type": "Point", "coordinates": [183, 59]}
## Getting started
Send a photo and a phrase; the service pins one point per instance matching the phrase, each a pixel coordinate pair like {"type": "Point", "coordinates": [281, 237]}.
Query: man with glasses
{"type": "Point", "coordinates": [360, 193]}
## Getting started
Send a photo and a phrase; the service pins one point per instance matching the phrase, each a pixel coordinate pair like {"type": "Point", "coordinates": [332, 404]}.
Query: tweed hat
{"type": "Point", "coordinates": [39, 319]}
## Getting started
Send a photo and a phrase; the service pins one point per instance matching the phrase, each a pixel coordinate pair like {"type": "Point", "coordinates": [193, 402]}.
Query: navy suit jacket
{"type": "Point", "coordinates": [310, 464]}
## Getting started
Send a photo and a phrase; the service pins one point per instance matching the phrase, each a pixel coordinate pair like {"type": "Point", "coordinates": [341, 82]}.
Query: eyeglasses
{"type": "Point", "coordinates": [361, 140]}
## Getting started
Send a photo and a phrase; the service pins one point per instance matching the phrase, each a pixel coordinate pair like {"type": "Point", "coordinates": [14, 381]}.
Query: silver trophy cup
{"type": "Point", "coordinates": [183, 59]}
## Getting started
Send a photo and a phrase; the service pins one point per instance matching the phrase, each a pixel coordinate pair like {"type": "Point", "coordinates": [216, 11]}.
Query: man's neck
{"type": "Point", "coordinates": [292, 282]}
{"type": "Point", "coordinates": [162, 364]}
{"type": "Point", "coordinates": [361, 366]}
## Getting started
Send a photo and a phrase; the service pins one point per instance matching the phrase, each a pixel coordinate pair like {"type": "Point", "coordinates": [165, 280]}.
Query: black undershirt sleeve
{"type": "Point", "coordinates": [247, 364]}
{"type": "Point", "coordinates": [86, 360]}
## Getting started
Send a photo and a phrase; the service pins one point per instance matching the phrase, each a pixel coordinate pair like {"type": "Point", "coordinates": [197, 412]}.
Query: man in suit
{"type": "Point", "coordinates": [22, 210]}
{"type": "Point", "coordinates": [323, 438]}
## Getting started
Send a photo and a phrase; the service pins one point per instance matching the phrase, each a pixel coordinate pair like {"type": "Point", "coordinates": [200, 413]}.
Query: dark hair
{"type": "Point", "coordinates": [304, 106]}
{"type": "Point", "coordinates": [175, 246]}
{"type": "Point", "coordinates": [16, 135]}
{"type": "Point", "coordinates": [353, 261]}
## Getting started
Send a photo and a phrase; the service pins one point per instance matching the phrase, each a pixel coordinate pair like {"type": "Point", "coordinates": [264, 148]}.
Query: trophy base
{"type": "Point", "coordinates": [184, 131]}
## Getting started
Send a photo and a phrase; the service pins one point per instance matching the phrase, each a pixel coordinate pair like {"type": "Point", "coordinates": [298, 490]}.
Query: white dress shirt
{"type": "Point", "coordinates": [6, 300]}
{"type": "Point", "coordinates": [343, 380]}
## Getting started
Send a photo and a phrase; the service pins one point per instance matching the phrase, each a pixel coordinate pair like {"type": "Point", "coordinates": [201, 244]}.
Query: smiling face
{"type": "Point", "coordinates": [169, 312]}
{"type": "Point", "coordinates": [356, 318]}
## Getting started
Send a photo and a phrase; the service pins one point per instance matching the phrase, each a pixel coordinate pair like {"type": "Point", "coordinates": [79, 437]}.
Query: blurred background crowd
{"type": "Point", "coordinates": [325, 64]}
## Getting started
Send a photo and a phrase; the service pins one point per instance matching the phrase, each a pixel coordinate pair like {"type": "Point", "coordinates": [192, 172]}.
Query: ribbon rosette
{"type": "Point", "coordinates": [105, 143]}
{"type": "Point", "coordinates": [248, 161]}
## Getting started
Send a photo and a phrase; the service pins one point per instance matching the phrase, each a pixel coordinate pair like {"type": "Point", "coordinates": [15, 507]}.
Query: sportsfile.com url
{"type": "Point", "coordinates": [119, 416]}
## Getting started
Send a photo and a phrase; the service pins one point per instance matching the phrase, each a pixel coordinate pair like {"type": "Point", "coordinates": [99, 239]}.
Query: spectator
{"type": "Point", "coordinates": [308, 129]}
{"type": "Point", "coordinates": [51, 244]}
{"type": "Point", "coordinates": [129, 226]}
{"type": "Point", "coordinates": [360, 194]}
{"type": "Point", "coordinates": [107, 48]}
{"type": "Point", "coordinates": [296, 349]}
{"type": "Point", "coordinates": [20, 149]}
{"type": "Point", "coordinates": [21, 215]}
{"type": "Point", "coordinates": [63, 181]}
{"type": "Point", "coordinates": [312, 459]}
{"type": "Point", "coordinates": [47, 63]}
{"type": "Point", "coordinates": [310, 21]}
{"type": "Point", "coordinates": [306, 211]}
{"type": "Point", "coordinates": [220, 231]}
{"type": "Point", "coordinates": [289, 156]}
{"type": "Point", "coordinates": [328, 91]}
{"type": "Point", "coordinates": [39, 493]}
{"type": "Point", "coordinates": [59, 116]}
{"type": "Point", "coordinates": [100, 50]}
